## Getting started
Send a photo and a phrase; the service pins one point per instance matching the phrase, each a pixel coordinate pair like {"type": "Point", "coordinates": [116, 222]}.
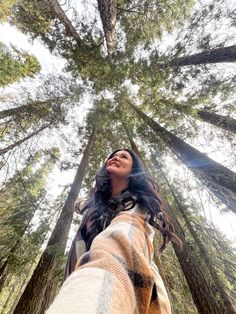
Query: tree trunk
{"type": "Point", "coordinates": [32, 299]}
{"type": "Point", "coordinates": [224, 122]}
{"type": "Point", "coordinates": [218, 179]}
{"type": "Point", "coordinates": [225, 54]}
{"type": "Point", "coordinates": [202, 294]}
{"type": "Point", "coordinates": [31, 108]}
{"type": "Point", "coordinates": [108, 11]}
{"type": "Point", "coordinates": [131, 141]}
{"type": "Point", "coordinates": [58, 12]}
{"type": "Point", "coordinates": [13, 111]}
{"type": "Point", "coordinates": [225, 303]}
{"type": "Point", "coordinates": [18, 143]}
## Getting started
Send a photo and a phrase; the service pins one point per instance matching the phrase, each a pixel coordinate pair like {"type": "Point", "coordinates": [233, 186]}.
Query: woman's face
{"type": "Point", "coordinates": [120, 164]}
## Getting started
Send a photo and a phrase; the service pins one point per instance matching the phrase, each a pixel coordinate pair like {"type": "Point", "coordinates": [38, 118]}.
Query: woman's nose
{"type": "Point", "coordinates": [116, 158]}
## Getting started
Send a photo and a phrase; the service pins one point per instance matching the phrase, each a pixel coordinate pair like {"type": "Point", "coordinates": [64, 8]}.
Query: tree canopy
{"type": "Point", "coordinates": [154, 76]}
{"type": "Point", "coordinates": [16, 64]}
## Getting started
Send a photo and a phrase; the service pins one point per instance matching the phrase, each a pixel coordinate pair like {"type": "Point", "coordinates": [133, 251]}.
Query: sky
{"type": "Point", "coordinates": [49, 63]}
{"type": "Point", "coordinates": [53, 64]}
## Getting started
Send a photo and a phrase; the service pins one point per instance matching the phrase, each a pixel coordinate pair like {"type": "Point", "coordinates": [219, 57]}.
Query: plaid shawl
{"type": "Point", "coordinates": [117, 275]}
{"type": "Point", "coordinates": [78, 246]}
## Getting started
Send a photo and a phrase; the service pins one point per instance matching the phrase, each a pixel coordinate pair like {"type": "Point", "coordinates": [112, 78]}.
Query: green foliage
{"type": "Point", "coordinates": [30, 115]}
{"type": "Point", "coordinates": [207, 244]}
{"type": "Point", "coordinates": [160, 87]}
{"type": "Point", "coordinates": [31, 17]}
{"type": "Point", "coordinates": [176, 284]}
{"type": "Point", "coordinates": [143, 21]}
{"type": "Point", "coordinates": [5, 9]}
{"type": "Point", "coordinates": [84, 55]}
{"type": "Point", "coordinates": [16, 64]}
{"type": "Point", "coordinates": [21, 196]}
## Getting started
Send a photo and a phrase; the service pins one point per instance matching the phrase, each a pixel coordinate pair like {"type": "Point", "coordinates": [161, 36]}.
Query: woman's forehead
{"type": "Point", "coordinates": [121, 152]}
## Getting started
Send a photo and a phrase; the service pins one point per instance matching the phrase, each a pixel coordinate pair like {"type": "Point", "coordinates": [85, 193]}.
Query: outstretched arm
{"type": "Point", "coordinates": [116, 275]}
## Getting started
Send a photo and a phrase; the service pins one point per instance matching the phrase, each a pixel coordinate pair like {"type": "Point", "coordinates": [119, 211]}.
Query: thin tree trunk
{"type": "Point", "coordinates": [218, 179]}
{"type": "Point", "coordinates": [131, 141]}
{"type": "Point", "coordinates": [18, 143]}
{"type": "Point", "coordinates": [13, 111]}
{"type": "Point", "coordinates": [224, 122]}
{"type": "Point", "coordinates": [134, 147]}
{"type": "Point", "coordinates": [58, 12]}
{"type": "Point", "coordinates": [24, 110]}
{"type": "Point", "coordinates": [108, 11]}
{"type": "Point", "coordinates": [225, 54]}
{"type": "Point", "coordinates": [32, 299]}
{"type": "Point", "coordinates": [225, 304]}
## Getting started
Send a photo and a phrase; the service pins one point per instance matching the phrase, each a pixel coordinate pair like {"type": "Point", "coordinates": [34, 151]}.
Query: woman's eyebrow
{"type": "Point", "coordinates": [122, 154]}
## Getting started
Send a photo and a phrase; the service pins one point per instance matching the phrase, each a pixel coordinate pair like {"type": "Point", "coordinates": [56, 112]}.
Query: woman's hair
{"type": "Point", "coordinates": [141, 190]}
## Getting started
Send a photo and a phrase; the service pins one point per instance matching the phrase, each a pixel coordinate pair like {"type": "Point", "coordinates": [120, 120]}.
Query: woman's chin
{"type": "Point", "coordinates": [113, 168]}
{"type": "Point", "coordinates": [113, 171]}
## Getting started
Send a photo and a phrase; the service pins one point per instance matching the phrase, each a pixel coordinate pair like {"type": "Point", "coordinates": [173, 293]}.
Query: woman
{"type": "Point", "coordinates": [116, 274]}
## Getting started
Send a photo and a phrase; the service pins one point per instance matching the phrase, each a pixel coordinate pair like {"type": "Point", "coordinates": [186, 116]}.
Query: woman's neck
{"type": "Point", "coordinates": [118, 186]}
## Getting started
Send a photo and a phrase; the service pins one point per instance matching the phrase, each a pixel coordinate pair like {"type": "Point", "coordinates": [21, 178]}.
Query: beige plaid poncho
{"type": "Point", "coordinates": [117, 275]}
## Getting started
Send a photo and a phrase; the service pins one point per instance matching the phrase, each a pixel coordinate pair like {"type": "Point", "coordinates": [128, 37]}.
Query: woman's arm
{"type": "Point", "coordinates": [115, 276]}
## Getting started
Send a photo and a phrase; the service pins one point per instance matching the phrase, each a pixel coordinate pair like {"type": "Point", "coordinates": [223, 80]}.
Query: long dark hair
{"type": "Point", "coordinates": [142, 189]}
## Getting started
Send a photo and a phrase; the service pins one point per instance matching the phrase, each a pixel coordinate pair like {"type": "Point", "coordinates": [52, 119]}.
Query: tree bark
{"type": "Point", "coordinates": [202, 294]}
{"type": "Point", "coordinates": [217, 55]}
{"type": "Point", "coordinates": [224, 122]}
{"type": "Point", "coordinates": [225, 303]}
{"type": "Point", "coordinates": [13, 111]}
{"type": "Point", "coordinates": [220, 180]}
{"type": "Point", "coordinates": [23, 110]}
{"type": "Point", "coordinates": [108, 11]}
{"type": "Point", "coordinates": [58, 12]}
{"type": "Point", "coordinates": [18, 143]}
{"type": "Point", "coordinates": [32, 299]}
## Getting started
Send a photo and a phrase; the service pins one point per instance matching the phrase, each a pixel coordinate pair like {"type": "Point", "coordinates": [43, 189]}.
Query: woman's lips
{"type": "Point", "coordinates": [113, 163]}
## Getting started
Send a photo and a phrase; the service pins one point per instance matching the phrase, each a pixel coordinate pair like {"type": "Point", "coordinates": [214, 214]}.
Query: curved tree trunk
{"type": "Point", "coordinates": [218, 179]}
{"type": "Point", "coordinates": [108, 11]}
{"type": "Point", "coordinates": [225, 303]}
{"type": "Point", "coordinates": [224, 122]}
{"type": "Point", "coordinates": [225, 54]}
{"type": "Point", "coordinates": [58, 12]}
{"type": "Point", "coordinates": [33, 297]}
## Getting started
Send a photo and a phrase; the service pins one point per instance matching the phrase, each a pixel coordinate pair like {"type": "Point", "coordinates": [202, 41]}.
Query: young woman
{"type": "Point", "coordinates": [113, 248]}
